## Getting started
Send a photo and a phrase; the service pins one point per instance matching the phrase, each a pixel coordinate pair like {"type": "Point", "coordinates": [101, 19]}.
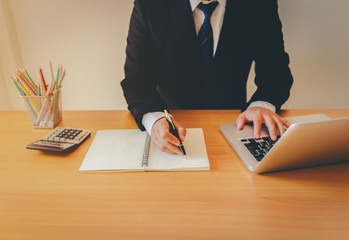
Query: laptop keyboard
{"type": "Point", "coordinates": [259, 147]}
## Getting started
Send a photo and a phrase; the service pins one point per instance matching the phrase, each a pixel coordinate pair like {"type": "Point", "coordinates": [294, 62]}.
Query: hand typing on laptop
{"type": "Point", "coordinates": [296, 148]}
{"type": "Point", "coordinates": [258, 116]}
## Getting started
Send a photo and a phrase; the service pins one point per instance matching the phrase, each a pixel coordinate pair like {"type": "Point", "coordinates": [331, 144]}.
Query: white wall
{"type": "Point", "coordinates": [317, 38]}
{"type": "Point", "coordinates": [89, 38]}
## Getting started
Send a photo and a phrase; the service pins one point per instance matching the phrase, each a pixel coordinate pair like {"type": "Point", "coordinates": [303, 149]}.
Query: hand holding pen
{"type": "Point", "coordinates": [174, 132]}
{"type": "Point", "coordinates": [162, 137]}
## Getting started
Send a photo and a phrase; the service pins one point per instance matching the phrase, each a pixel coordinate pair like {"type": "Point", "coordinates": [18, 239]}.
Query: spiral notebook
{"type": "Point", "coordinates": [130, 150]}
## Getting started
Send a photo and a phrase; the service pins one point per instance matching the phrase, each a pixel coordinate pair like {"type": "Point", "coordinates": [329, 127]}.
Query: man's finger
{"type": "Point", "coordinates": [169, 146]}
{"type": "Point", "coordinates": [157, 143]}
{"type": "Point", "coordinates": [257, 126]}
{"type": "Point", "coordinates": [182, 132]}
{"type": "Point", "coordinates": [285, 122]}
{"type": "Point", "coordinates": [165, 146]}
{"type": "Point", "coordinates": [170, 142]}
{"type": "Point", "coordinates": [270, 123]}
{"type": "Point", "coordinates": [241, 121]}
{"type": "Point", "coordinates": [167, 136]}
{"type": "Point", "coordinates": [280, 125]}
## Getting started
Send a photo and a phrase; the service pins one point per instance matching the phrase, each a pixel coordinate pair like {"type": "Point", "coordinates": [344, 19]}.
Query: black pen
{"type": "Point", "coordinates": [174, 131]}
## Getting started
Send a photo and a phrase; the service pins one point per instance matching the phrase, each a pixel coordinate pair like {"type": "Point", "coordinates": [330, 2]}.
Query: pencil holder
{"type": "Point", "coordinates": [44, 111]}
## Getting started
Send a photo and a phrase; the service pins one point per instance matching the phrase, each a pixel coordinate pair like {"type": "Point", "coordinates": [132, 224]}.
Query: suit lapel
{"type": "Point", "coordinates": [184, 33]}
{"type": "Point", "coordinates": [227, 28]}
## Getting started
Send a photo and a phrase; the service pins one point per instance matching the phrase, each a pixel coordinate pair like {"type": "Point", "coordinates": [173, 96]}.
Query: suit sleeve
{"type": "Point", "coordinates": [139, 85]}
{"type": "Point", "coordinates": [273, 75]}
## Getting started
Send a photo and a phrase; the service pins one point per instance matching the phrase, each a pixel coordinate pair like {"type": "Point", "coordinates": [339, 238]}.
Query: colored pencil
{"type": "Point", "coordinates": [42, 83]}
{"type": "Point", "coordinates": [23, 78]}
{"type": "Point", "coordinates": [61, 80]}
{"type": "Point", "coordinates": [43, 79]}
{"type": "Point", "coordinates": [51, 72]}
{"type": "Point", "coordinates": [18, 88]}
{"type": "Point", "coordinates": [28, 82]}
{"type": "Point", "coordinates": [20, 84]}
{"type": "Point", "coordinates": [31, 79]}
{"type": "Point", "coordinates": [56, 87]}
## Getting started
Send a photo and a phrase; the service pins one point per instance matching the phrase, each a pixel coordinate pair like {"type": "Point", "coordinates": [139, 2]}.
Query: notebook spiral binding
{"type": "Point", "coordinates": [145, 158]}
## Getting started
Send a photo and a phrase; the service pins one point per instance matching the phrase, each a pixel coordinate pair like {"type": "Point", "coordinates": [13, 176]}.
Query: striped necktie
{"type": "Point", "coordinates": [205, 36]}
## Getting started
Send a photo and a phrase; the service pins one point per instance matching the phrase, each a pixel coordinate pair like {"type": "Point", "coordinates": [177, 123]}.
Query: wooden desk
{"type": "Point", "coordinates": [43, 196]}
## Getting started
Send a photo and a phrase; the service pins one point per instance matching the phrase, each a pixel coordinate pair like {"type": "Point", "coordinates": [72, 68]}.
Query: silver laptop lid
{"type": "Point", "coordinates": [233, 135]}
{"type": "Point", "coordinates": [309, 144]}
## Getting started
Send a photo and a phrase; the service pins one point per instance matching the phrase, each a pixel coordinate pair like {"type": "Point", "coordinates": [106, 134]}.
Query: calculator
{"type": "Point", "coordinates": [61, 139]}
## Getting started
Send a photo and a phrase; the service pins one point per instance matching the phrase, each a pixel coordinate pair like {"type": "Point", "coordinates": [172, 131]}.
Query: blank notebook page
{"type": "Point", "coordinates": [116, 150]}
{"type": "Point", "coordinates": [196, 151]}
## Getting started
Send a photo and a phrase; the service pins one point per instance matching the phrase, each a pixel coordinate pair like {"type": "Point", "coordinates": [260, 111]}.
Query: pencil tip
{"type": "Point", "coordinates": [185, 156]}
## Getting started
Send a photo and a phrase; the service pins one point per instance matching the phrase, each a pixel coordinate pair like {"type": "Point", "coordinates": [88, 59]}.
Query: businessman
{"type": "Point", "coordinates": [193, 54]}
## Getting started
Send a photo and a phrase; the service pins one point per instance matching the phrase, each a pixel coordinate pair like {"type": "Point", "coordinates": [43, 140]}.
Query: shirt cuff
{"type": "Point", "coordinates": [149, 119]}
{"type": "Point", "coordinates": [263, 104]}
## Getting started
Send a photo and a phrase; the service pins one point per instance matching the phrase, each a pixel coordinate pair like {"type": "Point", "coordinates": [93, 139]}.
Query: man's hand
{"type": "Point", "coordinates": [163, 139]}
{"type": "Point", "coordinates": [258, 116]}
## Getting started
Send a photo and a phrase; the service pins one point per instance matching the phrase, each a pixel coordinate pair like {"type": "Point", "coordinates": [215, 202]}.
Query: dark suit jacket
{"type": "Point", "coordinates": [164, 69]}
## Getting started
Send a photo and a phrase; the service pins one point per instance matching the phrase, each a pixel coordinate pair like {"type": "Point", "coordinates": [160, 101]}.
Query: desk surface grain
{"type": "Point", "coordinates": [43, 196]}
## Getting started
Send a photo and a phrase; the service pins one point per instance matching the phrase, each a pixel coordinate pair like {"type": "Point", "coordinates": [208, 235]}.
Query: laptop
{"type": "Point", "coordinates": [310, 140]}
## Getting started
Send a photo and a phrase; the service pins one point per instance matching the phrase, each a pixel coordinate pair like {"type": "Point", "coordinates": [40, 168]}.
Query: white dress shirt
{"type": "Point", "coordinates": [216, 22]}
